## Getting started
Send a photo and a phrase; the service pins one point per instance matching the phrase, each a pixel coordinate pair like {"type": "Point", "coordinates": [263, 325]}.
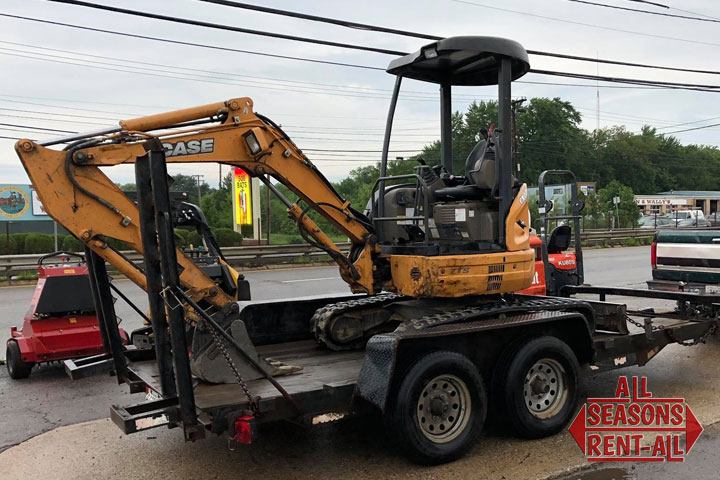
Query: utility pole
{"type": "Point", "coordinates": [515, 108]}
{"type": "Point", "coordinates": [198, 178]}
{"type": "Point", "coordinates": [267, 207]}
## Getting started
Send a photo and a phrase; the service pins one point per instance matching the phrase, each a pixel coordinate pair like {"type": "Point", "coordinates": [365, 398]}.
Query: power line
{"type": "Point", "coordinates": [650, 3]}
{"type": "Point", "coordinates": [617, 7]}
{"type": "Point", "coordinates": [315, 18]}
{"type": "Point", "coordinates": [654, 83]}
{"type": "Point", "coordinates": [345, 23]}
{"type": "Point", "coordinates": [690, 129]}
{"type": "Point", "coordinates": [621, 63]}
{"type": "Point", "coordinates": [53, 130]}
{"type": "Point", "coordinates": [191, 44]}
{"type": "Point", "coordinates": [591, 25]}
{"type": "Point", "coordinates": [230, 28]}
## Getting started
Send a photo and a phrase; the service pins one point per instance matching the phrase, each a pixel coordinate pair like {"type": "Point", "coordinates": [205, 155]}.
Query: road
{"type": "Point", "coordinates": [81, 442]}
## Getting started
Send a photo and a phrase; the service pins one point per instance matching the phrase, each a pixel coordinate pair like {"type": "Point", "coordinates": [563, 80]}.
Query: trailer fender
{"type": "Point", "coordinates": [378, 369]}
{"type": "Point", "coordinates": [383, 352]}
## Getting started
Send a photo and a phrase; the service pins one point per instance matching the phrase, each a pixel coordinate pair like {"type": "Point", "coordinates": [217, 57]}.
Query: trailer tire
{"type": "Point", "coordinates": [450, 386]}
{"type": "Point", "coordinates": [535, 386]}
{"type": "Point", "coordinates": [16, 367]}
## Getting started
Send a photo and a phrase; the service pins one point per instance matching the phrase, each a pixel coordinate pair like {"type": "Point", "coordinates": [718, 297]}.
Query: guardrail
{"type": "Point", "coordinates": [236, 256]}
{"type": "Point", "coordinates": [278, 254]}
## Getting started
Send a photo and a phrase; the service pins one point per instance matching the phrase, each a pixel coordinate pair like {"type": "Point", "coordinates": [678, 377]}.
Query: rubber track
{"type": "Point", "coordinates": [322, 320]}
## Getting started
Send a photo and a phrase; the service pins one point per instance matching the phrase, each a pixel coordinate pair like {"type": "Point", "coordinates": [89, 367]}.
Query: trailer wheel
{"type": "Point", "coordinates": [16, 367]}
{"type": "Point", "coordinates": [439, 410]}
{"type": "Point", "coordinates": [535, 386]}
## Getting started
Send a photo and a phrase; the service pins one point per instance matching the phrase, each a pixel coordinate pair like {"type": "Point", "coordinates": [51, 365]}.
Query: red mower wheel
{"type": "Point", "coordinates": [16, 367]}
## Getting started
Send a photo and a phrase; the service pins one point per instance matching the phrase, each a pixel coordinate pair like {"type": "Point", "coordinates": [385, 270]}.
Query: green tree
{"type": "Point", "coordinates": [627, 208]}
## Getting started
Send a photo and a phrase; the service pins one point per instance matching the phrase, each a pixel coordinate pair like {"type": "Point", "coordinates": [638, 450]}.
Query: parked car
{"type": "Point", "coordinates": [714, 219]}
{"type": "Point", "coordinates": [656, 221]}
{"type": "Point", "coordinates": [690, 218]}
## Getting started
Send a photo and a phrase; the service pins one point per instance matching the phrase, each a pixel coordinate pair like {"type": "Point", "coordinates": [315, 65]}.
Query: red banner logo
{"type": "Point", "coordinates": [635, 426]}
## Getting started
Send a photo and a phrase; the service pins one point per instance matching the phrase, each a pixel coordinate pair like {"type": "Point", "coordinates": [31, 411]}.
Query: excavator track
{"type": "Point", "coordinates": [326, 330]}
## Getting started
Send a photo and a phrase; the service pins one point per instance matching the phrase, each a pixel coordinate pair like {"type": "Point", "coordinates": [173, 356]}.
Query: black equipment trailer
{"type": "Point", "coordinates": [333, 385]}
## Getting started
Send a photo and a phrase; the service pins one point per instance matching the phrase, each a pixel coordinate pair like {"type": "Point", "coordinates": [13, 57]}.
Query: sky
{"type": "Point", "coordinates": [93, 79]}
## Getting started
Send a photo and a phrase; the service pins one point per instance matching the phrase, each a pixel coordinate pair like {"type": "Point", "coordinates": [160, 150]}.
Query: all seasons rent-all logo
{"type": "Point", "coordinates": [635, 426]}
{"type": "Point", "coordinates": [14, 202]}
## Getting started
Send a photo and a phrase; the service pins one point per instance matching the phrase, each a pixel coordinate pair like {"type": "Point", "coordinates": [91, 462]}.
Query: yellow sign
{"type": "Point", "coordinates": [243, 202]}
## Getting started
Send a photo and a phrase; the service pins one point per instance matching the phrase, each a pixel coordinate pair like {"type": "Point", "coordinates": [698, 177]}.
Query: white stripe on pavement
{"type": "Point", "coordinates": [310, 279]}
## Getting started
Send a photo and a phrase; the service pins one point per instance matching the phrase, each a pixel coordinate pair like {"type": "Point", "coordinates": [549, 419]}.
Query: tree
{"type": "Point", "coordinates": [627, 208]}
{"type": "Point", "coordinates": [189, 184]}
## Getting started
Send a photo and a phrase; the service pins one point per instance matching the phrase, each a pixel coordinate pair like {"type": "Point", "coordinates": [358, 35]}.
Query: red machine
{"type": "Point", "coordinates": [560, 260]}
{"type": "Point", "coordinates": [61, 322]}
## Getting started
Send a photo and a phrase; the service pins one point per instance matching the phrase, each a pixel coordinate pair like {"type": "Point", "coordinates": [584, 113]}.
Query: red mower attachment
{"type": "Point", "coordinates": [60, 322]}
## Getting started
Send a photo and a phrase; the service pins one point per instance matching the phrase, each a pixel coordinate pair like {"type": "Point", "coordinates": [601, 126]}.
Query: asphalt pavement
{"type": "Point", "coordinates": [81, 443]}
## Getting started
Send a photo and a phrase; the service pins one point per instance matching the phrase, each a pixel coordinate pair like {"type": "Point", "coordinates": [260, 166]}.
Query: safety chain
{"type": "Point", "coordinates": [221, 345]}
{"type": "Point", "coordinates": [660, 328]}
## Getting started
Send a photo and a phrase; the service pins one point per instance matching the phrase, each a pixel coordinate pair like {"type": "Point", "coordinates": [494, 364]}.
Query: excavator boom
{"type": "Point", "coordinates": [87, 203]}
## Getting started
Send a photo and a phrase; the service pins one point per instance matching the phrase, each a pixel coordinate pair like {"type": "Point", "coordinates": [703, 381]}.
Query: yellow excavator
{"type": "Point", "coordinates": [428, 241]}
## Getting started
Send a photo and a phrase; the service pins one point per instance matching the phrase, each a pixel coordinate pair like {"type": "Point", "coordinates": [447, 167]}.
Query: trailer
{"type": "Point", "coordinates": [433, 378]}
{"type": "Point", "coordinates": [517, 358]}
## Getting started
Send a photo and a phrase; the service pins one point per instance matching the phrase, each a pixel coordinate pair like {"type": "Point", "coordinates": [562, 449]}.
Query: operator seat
{"type": "Point", "coordinates": [479, 176]}
{"type": "Point", "coordinates": [559, 239]}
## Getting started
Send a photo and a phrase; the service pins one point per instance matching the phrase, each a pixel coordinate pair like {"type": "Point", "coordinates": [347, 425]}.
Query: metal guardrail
{"type": "Point", "coordinates": [278, 254]}
{"type": "Point", "coordinates": [236, 256]}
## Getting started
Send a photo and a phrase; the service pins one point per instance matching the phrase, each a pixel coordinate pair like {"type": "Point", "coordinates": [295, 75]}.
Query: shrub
{"type": "Point", "coordinates": [194, 239]}
{"type": "Point", "coordinates": [39, 243]}
{"type": "Point", "coordinates": [72, 244]}
{"type": "Point", "coordinates": [630, 242]}
{"type": "Point", "coordinates": [8, 245]}
{"type": "Point", "coordinates": [181, 237]}
{"type": "Point", "coordinates": [226, 237]}
{"type": "Point", "coordinates": [19, 241]}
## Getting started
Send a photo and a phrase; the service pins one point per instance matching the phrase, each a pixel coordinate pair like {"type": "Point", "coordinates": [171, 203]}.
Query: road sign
{"type": "Point", "coordinates": [242, 197]}
{"type": "Point", "coordinates": [616, 200]}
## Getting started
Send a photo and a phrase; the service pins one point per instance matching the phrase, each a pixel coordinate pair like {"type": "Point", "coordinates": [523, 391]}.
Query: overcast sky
{"type": "Point", "coordinates": [336, 108]}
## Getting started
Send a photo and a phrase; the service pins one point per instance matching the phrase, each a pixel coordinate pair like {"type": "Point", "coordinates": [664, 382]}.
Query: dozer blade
{"type": "Point", "coordinates": [257, 323]}
{"type": "Point", "coordinates": [210, 360]}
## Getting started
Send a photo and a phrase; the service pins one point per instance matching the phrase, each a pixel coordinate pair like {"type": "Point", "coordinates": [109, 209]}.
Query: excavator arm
{"type": "Point", "coordinates": [77, 194]}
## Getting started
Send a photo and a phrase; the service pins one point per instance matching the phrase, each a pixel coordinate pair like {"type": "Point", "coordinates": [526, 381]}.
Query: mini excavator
{"type": "Point", "coordinates": [429, 242]}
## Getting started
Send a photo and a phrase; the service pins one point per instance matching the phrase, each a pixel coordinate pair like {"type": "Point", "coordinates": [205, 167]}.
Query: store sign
{"type": "Point", "coordinates": [660, 201]}
{"type": "Point", "coordinates": [37, 207]}
{"type": "Point", "coordinates": [242, 197]}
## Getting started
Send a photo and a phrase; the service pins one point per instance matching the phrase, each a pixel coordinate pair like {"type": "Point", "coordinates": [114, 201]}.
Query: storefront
{"type": "Point", "coordinates": [668, 202]}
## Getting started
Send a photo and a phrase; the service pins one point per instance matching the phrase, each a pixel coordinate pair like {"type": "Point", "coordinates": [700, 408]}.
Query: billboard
{"type": "Point", "coordinates": [242, 197]}
{"type": "Point", "coordinates": [20, 203]}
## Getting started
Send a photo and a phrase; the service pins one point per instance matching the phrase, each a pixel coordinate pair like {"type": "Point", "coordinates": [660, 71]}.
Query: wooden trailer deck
{"type": "Point", "coordinates": [325, 383]}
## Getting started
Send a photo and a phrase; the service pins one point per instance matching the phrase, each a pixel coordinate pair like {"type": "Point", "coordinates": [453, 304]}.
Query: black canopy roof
{"type": "Point", "coordinates": [468, 60]}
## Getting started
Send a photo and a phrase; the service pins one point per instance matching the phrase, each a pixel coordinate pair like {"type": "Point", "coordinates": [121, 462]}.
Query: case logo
{"type": "Point", "coordinates": [190, 147]}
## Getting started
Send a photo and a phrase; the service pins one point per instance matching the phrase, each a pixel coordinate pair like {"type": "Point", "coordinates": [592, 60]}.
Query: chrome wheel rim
{"type": "Point", "coordinates": [545, 388]}
{"type": "Point", "coordinates": [443, 408]}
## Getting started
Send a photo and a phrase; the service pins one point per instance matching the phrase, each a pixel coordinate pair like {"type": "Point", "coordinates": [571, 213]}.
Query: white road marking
{"type": "Point", "coordinates": [310, 279]}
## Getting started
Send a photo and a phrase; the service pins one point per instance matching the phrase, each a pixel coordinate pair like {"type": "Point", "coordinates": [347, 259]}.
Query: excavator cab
{"type": "Point", "coordinates": [441, 212]}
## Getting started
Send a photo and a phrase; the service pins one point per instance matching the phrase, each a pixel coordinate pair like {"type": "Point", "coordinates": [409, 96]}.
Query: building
{"type": "Point", "coordinates": [668, 202]}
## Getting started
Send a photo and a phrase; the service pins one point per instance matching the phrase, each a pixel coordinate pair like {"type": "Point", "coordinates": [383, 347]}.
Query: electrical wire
{"type": "Point", "coordinates": [229, 28]}
{"type": "Point", "coordinates": [591, 25]}
{"type": "Point", "coordinates": [405, 33]}
{"type": "Point", "coordinates": [617, 7]}
{"type": "Point", "coordinates": [191, 44]}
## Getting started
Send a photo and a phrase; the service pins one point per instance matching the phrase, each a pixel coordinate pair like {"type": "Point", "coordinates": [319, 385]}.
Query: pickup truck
{"type": "Point", "coordinates": [686, 260]}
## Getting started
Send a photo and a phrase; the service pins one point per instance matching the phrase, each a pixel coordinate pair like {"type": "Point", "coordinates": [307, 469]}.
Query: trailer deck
{"type": "Point", "coordinates": [327, 378]}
